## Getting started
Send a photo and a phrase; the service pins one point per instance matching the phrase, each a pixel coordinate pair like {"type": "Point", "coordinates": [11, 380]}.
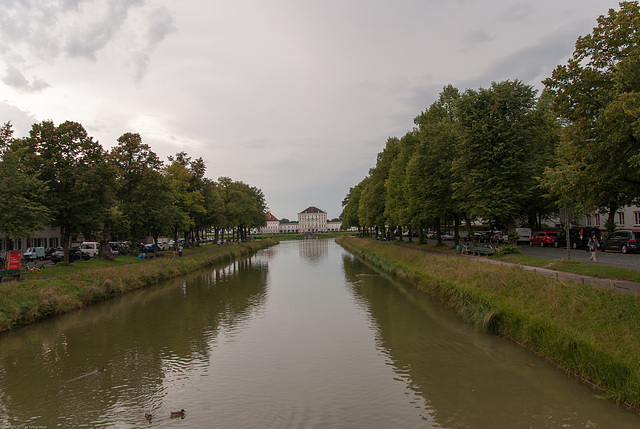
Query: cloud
{"type": "Point", "coordinates": [14, 78]}
{"type": "Point", "coordinates": [20, 119]}
{"type": "Point", "coordinates": [33, 32]}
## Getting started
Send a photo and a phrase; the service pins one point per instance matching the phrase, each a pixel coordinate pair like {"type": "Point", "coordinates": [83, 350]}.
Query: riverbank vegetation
{"type": "Point", "coordinates": [505, 156]}
{"type": "Point", "coordinates": [589, 332]}
{"type": "Point", "coordinates": [66, 287]}
{"type": "Point", "coordinates": [565, 265]}
{"type": "Point", "coordinates": [60, 176]}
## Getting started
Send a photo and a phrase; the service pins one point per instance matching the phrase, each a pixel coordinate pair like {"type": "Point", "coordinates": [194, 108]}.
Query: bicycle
{"type": "Point", "coordinates": [31, 268]}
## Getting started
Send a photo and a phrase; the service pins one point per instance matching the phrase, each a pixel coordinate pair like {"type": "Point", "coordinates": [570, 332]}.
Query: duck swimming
{"type": "Point", "coordinates": [178, 413]}
{"type": "Point", "coordinates": [148, 416]}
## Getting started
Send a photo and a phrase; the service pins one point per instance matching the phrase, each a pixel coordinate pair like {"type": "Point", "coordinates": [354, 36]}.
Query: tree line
{"type": "Point", "coordinates": [504, 155]}
{"type": "Point", "coordinates": [60, 176]}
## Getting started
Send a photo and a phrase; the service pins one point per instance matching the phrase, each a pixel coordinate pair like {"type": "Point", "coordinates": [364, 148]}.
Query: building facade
{"type": "Point", "coordinates": [312, 220]}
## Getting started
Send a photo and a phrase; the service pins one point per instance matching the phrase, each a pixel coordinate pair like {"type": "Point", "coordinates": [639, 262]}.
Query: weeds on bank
{"type": "Point", "coordinates": [590, 332]}
{"type": "Point", "coordinates": [67, 287]}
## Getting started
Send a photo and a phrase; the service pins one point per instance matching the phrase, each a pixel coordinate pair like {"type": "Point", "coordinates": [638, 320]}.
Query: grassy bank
{"type": "Point", "coordinates": [64, 288]}
{"type": "Point", "coordinates": [591, 333]}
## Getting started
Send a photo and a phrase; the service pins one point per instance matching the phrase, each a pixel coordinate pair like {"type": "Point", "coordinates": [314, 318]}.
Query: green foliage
{"type": "Point", "coordinates": [508, 249]}
{"type": "Point", "coordinates": [597, 94]}
{"type": "Point", "coordinates": [22, 194]}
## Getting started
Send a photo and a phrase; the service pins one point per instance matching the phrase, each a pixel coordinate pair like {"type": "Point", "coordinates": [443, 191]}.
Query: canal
{"type": "Point", "coordinates": [301, 335]}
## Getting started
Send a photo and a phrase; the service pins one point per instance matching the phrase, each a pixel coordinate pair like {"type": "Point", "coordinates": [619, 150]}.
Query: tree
{"type": "Point", "coordinates": [597, 95]}
{"type": "Point", "coordinates": [21, 194]}
{"type": "Point", "coordinates": [430, 172]}
{"type": "Point", "coordinates": [69, 161]}
{"type": "Point", "coordinates": [351, 206]}
{"type": "Point", "coordinates": [373, 197]}
{"type": "Point", "coordinates": [501, 132]}
{"type": "Point", "coordinates": [396, 209]}
{"type": "Point", "coordinates": [142, 190]}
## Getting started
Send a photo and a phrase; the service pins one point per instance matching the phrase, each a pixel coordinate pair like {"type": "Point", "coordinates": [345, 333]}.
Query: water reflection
{"type": "Point", "coordinates": [314, 250]}
{"type": "Point", "coordinates": [462, 378]}
{"type": "Point", "coordinates": [147, 342]}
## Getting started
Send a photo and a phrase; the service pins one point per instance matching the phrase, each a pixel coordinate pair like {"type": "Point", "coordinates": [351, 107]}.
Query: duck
{"type": "Point", "coordinates": [100, 370]}
{"type": "Point", "coordinates": [178, 413]}
{"type": "Point", "coordinates": [148, 416]}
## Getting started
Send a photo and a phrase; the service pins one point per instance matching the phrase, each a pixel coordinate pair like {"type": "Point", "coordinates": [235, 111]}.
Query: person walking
{"type": "Point", "coordinates": [593, 248]}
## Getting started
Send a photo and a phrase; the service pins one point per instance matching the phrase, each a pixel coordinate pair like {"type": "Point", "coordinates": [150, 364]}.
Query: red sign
{"type": "Point", "coordinates": [14, 260]}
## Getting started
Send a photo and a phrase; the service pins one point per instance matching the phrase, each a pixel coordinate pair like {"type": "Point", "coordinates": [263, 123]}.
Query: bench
{"type": "Point", "coordinates": [482, 251]}
{"type": "Point", "coordinates": [10, 273]}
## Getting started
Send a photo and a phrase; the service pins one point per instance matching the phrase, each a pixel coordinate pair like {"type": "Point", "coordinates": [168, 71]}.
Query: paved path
{"type": "Point", "coordinates": [617, 285]}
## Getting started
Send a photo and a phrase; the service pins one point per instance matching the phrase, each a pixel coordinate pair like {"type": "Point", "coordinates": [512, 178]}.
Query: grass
{"type": "Point", "coordinates": [565, 265]}
{"type": "Point", "coordinates": [63, 288]}
{"type": "Point", "coordinates": [590, 332]}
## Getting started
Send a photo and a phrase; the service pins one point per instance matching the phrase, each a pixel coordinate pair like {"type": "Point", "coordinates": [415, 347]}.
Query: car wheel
{"type": "Point", "coordinates": [556, 244]}
{"type": "Point", "coordinates": [542, 244]}
{"type": "Point", "coordinates": [574, 246]}
{"type": "Point", "coordinates": [531, 243]}
{"type": "Point", "coordinates": [602, 247]}
{"type": "Point", "coordinates": [624, 249]}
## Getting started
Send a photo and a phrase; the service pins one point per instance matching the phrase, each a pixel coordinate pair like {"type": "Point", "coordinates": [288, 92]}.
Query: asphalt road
{"type": "Point", "coordinates": [610, 258]}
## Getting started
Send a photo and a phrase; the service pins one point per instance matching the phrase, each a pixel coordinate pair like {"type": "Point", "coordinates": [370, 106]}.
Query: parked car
{"type": "Point", "coordinates": [48, 252]}
{"type": "Point", "coordinates": [91, 248]}
{"type": "Point", "coordinates": [75, 254]}
{"type": "Point", "coordinates": [578, 237]}
{"type": "Point", "coordinates": [119, 248]}
{"type": "Point", "coordinates": [33, 253]}
{"type": "Point", "coordinates": [544, 238]}
{"type": "Point", "coordinates": [626, 241]}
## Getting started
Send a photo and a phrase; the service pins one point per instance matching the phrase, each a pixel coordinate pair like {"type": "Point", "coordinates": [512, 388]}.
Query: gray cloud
{"type": "Point", "coordinates": [33, 31]}
{"type": "Point", "coordinates": [21, 120]}
{"type": "Point", "coordinates": [14, 78]}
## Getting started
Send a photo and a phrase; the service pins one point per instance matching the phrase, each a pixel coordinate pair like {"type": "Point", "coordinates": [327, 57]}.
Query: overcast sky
{"type": "Point", "coordinates": [294, 97]}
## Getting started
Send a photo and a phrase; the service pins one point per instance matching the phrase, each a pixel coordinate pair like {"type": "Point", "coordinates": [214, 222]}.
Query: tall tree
{"type": "Point", "coordinates": [69, 160]}
{"type": "Point", "coordinates": [501, 130]}
{"type": "Point", "coordinates": [597, 94]}
{"type": "Point", "coordinates": [21, 193]}
{"type": "Point", "coordinates": [396, 209]}
{"type": "Point", "coordinates": [430, 172]}
{"type": "Point", "coordinates": [373, 197]}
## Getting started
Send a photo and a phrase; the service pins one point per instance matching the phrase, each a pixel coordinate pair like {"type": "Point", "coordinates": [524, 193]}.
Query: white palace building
{"type": "Point", "coordinates": [310, 220]}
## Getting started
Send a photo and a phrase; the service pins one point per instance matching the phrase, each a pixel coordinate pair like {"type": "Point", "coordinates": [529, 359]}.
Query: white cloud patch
{"type": "Point", "coordinates": [49, 31]}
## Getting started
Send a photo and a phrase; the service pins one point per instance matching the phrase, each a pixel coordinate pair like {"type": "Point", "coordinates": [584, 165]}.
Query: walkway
{"type": "Point", "coordinates": [621, 286]}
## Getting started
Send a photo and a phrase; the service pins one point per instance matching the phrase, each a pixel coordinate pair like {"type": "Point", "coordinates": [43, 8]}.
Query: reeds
{"type": "Point", "coordinates": [592, 333]}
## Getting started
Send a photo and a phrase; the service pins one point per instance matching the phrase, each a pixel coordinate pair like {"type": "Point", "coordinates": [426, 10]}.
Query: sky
{"type": "Point", "coordinates": [294, 97]}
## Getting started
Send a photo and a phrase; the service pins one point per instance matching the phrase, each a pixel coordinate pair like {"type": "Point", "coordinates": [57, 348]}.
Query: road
{"type": "Point", "coordinates": [614, 259]}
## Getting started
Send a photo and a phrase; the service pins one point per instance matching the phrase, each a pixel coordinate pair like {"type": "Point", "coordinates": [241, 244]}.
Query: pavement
{"type": "Point", "coordinates": [611, 259]}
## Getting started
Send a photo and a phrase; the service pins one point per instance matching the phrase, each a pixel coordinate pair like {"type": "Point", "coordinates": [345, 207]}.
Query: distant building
{"type": "Point", "coordinates": [273, 225]}
{"type": "Point", "coordinates": [312, 219]}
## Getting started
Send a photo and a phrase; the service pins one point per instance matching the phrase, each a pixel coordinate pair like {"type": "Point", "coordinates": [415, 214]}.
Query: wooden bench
{"type": "Point", "coordinates": [10, 273]}
{"type": "Point", "coordinates": [479, 251]}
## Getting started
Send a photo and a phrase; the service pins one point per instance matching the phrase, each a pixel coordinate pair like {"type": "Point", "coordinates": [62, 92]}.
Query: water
{"type": "Point", "coordinates": [301, 335]}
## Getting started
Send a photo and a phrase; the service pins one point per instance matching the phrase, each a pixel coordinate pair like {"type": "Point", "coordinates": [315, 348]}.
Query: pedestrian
{"type": "Point", "coordinates": [179, 249]}
{"type": "Point", "coordinates": [593, 248]}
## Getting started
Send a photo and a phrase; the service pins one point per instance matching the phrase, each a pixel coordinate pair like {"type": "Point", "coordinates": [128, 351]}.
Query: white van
{"type": "Point", "coordinates": [33, 253]}
{"type": "Point", "coordinates": [91, 248]}
{"type": "Point", "coordinates": [525, 235]}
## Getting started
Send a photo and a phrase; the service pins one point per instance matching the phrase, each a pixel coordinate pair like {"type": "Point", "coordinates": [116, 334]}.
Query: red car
{"type": "Point", "coordinates": [543, 239]}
